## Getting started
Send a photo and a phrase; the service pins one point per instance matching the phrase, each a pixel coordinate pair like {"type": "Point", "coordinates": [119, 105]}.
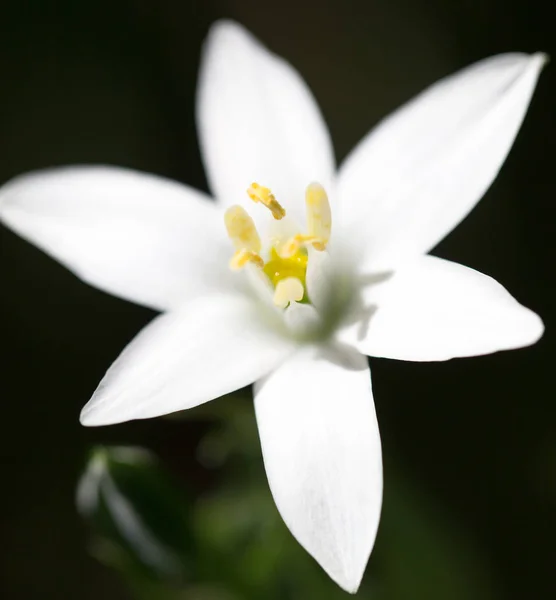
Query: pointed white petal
{"type": "Point", "coordinates": [322, 455]}
{"type": "Point", "coordinates": [258, 122]}
{"type": "Point", "coordinates": [137, 236]}
{"type": "Point", "coordinates": [420, 172]}
{"type": "Point", "coordinates": [213, 346]}
{"type": "Point", "coordinates": [433, 309]}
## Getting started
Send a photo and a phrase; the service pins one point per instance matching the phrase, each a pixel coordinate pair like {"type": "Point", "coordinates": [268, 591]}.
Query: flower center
{"type": "Point", "coordinates": [284, 265]}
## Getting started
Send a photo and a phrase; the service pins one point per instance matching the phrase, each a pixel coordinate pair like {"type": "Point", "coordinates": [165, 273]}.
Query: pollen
{"type": "Point", "coordinates": [261, 194]}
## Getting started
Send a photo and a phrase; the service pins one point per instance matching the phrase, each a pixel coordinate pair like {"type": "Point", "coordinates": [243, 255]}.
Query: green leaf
{"type": "Point", "coordinates": [139, 518]}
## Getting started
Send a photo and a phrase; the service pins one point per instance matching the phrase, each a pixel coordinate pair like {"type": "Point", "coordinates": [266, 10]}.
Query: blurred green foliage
{"type": "Point", "coordinates": [230, 542]}
{"type": "Point", "coordinates": [140, 518]}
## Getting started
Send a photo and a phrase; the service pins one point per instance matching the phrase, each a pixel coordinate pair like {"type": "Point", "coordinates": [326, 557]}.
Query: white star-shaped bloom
{"type": "Point", "coordinates": [328, 267]}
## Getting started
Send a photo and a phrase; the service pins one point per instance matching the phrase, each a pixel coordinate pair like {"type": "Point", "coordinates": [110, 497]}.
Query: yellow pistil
{"type": "Point", "coordinates": [278, 268]}
{"type": "Point", "coordinates": [261, 194]}
{"type": "Point", "coordinates": [288, 290]}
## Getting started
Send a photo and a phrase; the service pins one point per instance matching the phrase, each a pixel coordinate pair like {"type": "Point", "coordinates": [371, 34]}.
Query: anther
{"type": "Point", "coordinates": [242, 230]}
{"type": "Point", "coordinates": [288, 290]}
{"type": "Point", "coordinates": [294, 244]}
{"type": "Point", "coordinates": [319, 216]}
{"type": "Point", "coordinates": [261, 194]}
{"type": "Point", "coordinates": [243, 257]}
{"type": "Point", "coordinates": [319, 223]}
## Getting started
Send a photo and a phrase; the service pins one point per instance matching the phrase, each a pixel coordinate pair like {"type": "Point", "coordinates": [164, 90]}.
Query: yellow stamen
{"type": "Point", "coordinates": [288, 290]}
{"type": "Point", "coordinates": [242, 230]}
{"type": "Point", "coordinates": [319, 216]}
{"type": "Point", "coordinates": [243, 257]}
{"type": "Point", "coordinates": [285, 267]}
{"type": "Point", "coordinates": [294, 244]}
{"type": "Point", "coordinates": [261, 194]}
{"type": "Point", "coordinates": [319, 223]}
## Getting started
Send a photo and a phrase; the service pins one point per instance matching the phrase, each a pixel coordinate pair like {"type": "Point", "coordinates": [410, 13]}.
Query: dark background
{"type": "Point", "coordinates": [114, 82]}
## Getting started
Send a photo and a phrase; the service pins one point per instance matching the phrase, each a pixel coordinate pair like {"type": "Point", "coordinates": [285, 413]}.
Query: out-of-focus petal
{"type": "Point", "coordinates": [213, 346]}
{"type": "Point", "coordinates": [321, 450]}
{"type": "Point", "coordinates": [137, 236]}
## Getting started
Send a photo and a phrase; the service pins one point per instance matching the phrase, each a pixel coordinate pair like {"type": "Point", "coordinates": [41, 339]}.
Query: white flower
{"type": "Point", "coordinates": [358, 262]}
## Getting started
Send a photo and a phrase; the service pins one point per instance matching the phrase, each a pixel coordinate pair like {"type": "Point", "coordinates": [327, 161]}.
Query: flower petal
{"type": "Point", "coordinates": [137, 236]}
{"type": "Point", "coordinates": [213, 346]}
{"type": "Point", "coordinates": [321, 450]}
{"type": "Point", "coordinates": [302, 321]}
{"type": "Point", "coordinates": [433, 309]}
{"type": "Point", "coordinates": [422, 170]}
{"type": "Point", "coordinates": [320, 278]}
{"type": "Point", "coordinates": [258, 122]}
